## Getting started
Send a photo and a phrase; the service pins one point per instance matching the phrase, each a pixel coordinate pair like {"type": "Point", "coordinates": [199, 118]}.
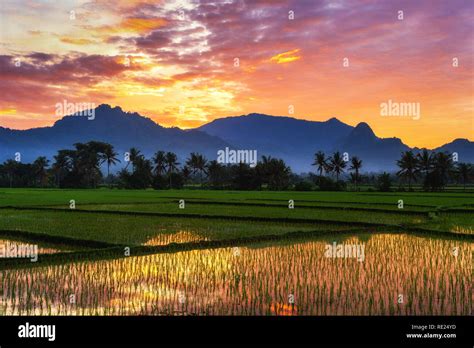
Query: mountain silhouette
{"type": "Point", "coordinates": [463, 147]}
{"type": "Point", "coordinates": [112, 125]}
{"type": "Point", "coordinates": [376, 153]}
{"type": "Point", "coordinates": [292, 139]}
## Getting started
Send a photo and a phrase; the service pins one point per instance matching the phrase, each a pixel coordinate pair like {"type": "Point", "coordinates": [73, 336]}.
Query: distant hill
{"type": "Point", "coordinates": [463, 147]}
{"type": "Point", "coordinates": [296, 140]}
{"type": "Point", "coordinates": [113, 125]}
{"type": "Point", "coordinates": [292, 139]}
{"type": "Point", "coordinates": [377, 154]}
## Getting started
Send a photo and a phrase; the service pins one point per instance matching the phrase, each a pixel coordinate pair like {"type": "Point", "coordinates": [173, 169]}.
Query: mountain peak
{"type": "Point", "coordinates": [461, 141]}
{"type": "Point", "coordinates": [333, 120]}
{"type": "Point", "coordinates": [255, 114]}
{"type": "Point", "coordinates": [107, 108]}
{"type": "Point", "coordinates": [363, 130]}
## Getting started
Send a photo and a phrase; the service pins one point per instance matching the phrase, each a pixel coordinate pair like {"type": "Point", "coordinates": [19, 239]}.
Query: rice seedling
{"type": "Point", "coordinates": [432, 276]}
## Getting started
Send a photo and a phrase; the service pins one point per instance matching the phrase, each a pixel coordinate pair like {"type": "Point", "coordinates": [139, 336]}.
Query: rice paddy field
{"type": "Point", "coordinates": [203, 252]}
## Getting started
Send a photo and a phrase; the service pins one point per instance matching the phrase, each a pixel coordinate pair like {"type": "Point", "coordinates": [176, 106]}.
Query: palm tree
{"type": "Point", "coordinates": [356, 165]}
{"type": "Point", "coordinates": [337, 164]}
{"type": "Point", "coordinates": [464, 171]}
{"type": "Point", "coordinates": [171, 161]}
{"type": "Point", "coordinates": [278, 174]}
{"type": "Point", "coordinates": [197, 163]}
{"type": "Point", "coordinates": [10, 168]}
{"type": "Point", "coordinates": [321, 162]}
{"type": "Point", "coordinates": [87, 160]}
{"type": "Point", "coordinates": [201, 165]}
{"type": "Point", "coordinates": [216, 173]}
{"type": "Point", "coordinates": [443, 167]}
{"type": "Point", "coordinates": [109, 156]}
{"type": "Point", "coordinates": [408, 167]}
{"type": "Point", "coordinates": [160, 162]}
{"type": "Point", "coordinates": [134, 153]}
{"type": "Point", "coordinates": [62, 163]}
{"type": "Point", "coordinates": [425, 161]}
{"type": "Point", "coordinates": [39, 167]}
{"type": "Point", "coordinates": [186, 173]}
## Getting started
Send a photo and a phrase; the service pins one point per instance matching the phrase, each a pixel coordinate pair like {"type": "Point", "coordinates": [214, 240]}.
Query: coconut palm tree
{"type": "Point", "coordinates": [465, 171]}
{"type": "Point", "coordinates": [159, 159]}
{"type": "Point", "coordinates": [110, 157]}
{"type": "Point", "coordinates": [443, 167]}
{"type": "Point", "coordinates": [186, 173]}
{"type": "Point", "coordinates": [134, 153]}
{"type": "Point", "coordinates": [63, 163]}
{"type": "Point", "coordinates": [356, 164]}
{"type": "Point", "coordinates": [278, 174]}
{"type": "Point", "coordinates": [197, 163]}
{"type": "Point", "coordinates": [425, 161]}
{"type": "Point", "coordinates": [321, 162]}
{"type": "Point", "coordinates": [10, 167]}
{"type": "Point", "coordinates": [171, 161]}
{"type": "Point", "coordinates": [216, 173]}
{"type": "Point", "coordinates": [336, 164]}
{"type": "Point", "coordinates": [408, 167]}
{"type": "Point", "coordinates": [39, 168]}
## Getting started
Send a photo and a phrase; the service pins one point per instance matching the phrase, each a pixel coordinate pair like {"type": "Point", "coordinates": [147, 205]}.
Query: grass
{"type": "Point", "coordinates": [136, 230]}
{"type": "Point", "coordinates": [334, 214]}
{"type": "Point", "coordinates": [26, 197]}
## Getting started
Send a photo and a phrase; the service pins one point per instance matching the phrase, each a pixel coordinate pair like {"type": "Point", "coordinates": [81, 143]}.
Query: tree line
{"type": "Point", "coordinates": [80, 167]}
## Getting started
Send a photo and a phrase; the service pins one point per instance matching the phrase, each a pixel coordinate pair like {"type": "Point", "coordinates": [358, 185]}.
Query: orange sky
{"type": "Point", "coordinates": [185, 63]}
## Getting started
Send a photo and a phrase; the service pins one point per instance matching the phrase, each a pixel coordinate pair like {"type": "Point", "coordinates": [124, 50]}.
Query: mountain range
{"type": "Point", "coordinates": [293, 140]}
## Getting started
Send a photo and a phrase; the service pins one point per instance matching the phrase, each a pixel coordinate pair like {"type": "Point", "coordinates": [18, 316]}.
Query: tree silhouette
{"type": "Point", "coordinates": [443, 167]}
{"type": "Point", "coordinates": [356, 164]}
{"type": "Point", "coordinates": [321, 163]}
{"type": "Point", "coordinates": [159, 159]}
{"type": "Point", "coordinates": [336, 164]}
{"type": "Point", "coordinates": [425, 161]}
{"type": "Point", "coordinates": [197, 163]}
{"type": "Point", "coordinates": [171, 161]}
{"type": "Point", "coordinates": [63, 164]}
{"type": "Point", "coordinates": [10, 167]}
{"type": "Point", "coordinates": [134, 153]}
{"type": "Point", "coordinates": [408, 167]}
{"type": "Point", "coordinates": [39, 168]}
{"type": "Point", "coordinates": [465, 172]}
{"type": "Point", "coordinates": [110, 157]}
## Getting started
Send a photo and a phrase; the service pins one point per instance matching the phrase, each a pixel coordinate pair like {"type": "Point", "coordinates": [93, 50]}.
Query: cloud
{"type": "Point", "coordinates": [132, 26]}
{"type": "Point", "coordinates": [286, 57]}
{"type": "Point", "coordinates": [77, 41]}
{"type": "Point", "coordinates": [188, 57]}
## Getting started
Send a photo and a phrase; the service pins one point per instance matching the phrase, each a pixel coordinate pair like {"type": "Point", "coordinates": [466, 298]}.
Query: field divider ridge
{"type": "Point", "coordinates": [203, 216]}
{"type": "Point", "coordinates": [51, 239]}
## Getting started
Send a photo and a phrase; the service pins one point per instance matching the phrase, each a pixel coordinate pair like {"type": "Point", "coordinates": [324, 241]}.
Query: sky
{"type": "Point", "coordinates": [186, 63]}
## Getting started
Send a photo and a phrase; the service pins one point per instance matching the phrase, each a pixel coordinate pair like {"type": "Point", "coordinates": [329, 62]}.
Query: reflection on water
{"type": "Point", "coordinates": [178, 237]}
{"type": "Point", "coordinates": [431, 275]}
{"type": "Point", "coordinates": [462, 229]}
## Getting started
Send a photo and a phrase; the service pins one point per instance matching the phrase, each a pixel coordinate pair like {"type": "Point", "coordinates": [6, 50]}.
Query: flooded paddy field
{"type": "Point", "coordinates": [397, 275]}
{"type": "Point", "coordinates": [122, 252]}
